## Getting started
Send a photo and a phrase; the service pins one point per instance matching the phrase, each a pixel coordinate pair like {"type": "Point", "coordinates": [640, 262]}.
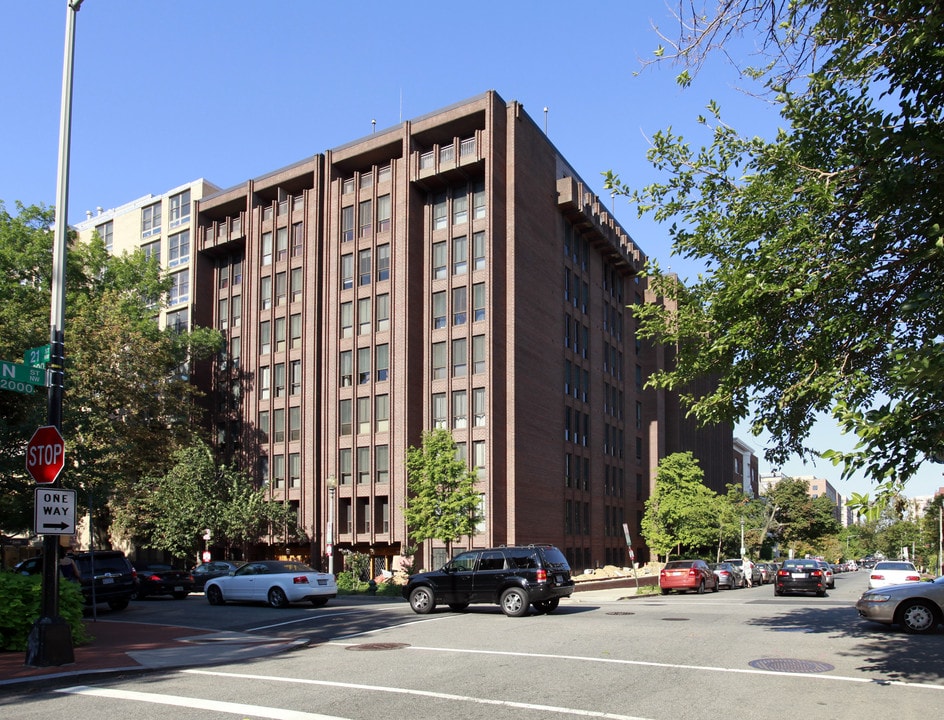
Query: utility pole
{"type": "Point", "coordinates": [50, 640]}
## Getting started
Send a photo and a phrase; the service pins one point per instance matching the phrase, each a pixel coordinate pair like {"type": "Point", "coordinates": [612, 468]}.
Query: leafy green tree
{"type": "Point", "coordinates": [801, 520]}
{"type": "Point", "coordinates": [823, 245]}
{"type": "Point", "coordinates": [682, 512]}
{"type": "Point", "coordinates": [443, 502]}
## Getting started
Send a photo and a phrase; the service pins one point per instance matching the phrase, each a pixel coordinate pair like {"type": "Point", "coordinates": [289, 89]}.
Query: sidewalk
{"type": "Point", "coordinates": [118, 646]}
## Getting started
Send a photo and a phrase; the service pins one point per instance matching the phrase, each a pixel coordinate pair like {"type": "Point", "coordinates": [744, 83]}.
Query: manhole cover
{"type": "Point", "coordinates": [676, 619]}
{"type": "Point", "coordinates": [790, 665]}
{"type": "Point", "coordinates": [620, 613]}
{"type": "Point", "coordinates": [377, 646]}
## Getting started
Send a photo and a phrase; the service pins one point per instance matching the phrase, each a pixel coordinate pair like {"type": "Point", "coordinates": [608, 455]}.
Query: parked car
{"type": "Point", "coordinates": [104, 576]}
{"type": "Point", "coordinates": [512, 577]}
{"type": "Point", "coordinates": [756, 577]}
{"type": "Point", "coordinates": [767, 573]}
{"type": "Point", "coordinates": [800, 576]}
{"type": "Point", "coordinates": [276, 582]}
{"type": "Point", "coordinates": [161, 579]}
{"type": "Point", "coordinates": [685, 575]}
{"type": "Point", "coordinates": [828, 573]}
{"type": "Point", "coordinates": [918, 607]}
{"type": "Point", "coordinates": [729, 576]}
{"type": "Point", "coordinates": [209, 570]}
{"type": "Point", "coordinates": [892, 572]}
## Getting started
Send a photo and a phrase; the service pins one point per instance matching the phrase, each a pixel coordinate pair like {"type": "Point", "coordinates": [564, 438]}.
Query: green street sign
{"type": "Point", "coordinates": [21, 378]}
{"type": "Point", "coordinates": [37, 356]}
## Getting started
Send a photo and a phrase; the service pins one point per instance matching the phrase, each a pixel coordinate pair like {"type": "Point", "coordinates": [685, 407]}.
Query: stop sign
{"type": "Point", "coordinates": [45, 454]}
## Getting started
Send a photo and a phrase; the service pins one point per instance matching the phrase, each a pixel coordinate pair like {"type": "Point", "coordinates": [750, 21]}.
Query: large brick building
{"type": "Point", "coordinates": [453, 271]}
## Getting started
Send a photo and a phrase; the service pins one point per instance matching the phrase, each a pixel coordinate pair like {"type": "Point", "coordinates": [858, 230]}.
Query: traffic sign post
{"type": "Point", "coordinates": [45, 454]}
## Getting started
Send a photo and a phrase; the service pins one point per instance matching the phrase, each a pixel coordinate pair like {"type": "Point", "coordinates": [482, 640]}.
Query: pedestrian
{"type": "Point", "coordinates": [748, 571]}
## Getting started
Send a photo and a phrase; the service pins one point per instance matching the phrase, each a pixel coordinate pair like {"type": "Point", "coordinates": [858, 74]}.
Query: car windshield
{"type": "Point", "coordinates": [894, 566]}
{"type": "Point", "coordinates": [679, 564]}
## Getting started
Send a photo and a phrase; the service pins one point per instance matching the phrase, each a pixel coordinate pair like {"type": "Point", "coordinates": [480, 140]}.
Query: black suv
{"type": "Point", "coordinates": [513, 577]}
{"type": "Point", "coordinates": [115, 581]}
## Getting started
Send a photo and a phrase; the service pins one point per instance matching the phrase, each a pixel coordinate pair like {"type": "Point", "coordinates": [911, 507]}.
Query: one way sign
{"type": "Point", "coordinates": [55, 511]}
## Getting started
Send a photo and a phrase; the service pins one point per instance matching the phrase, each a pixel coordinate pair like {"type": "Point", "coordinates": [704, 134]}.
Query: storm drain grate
{"type": "Point", "coordinates": [377, 646]}
{"type": "Point", "coordinates": [790, 665]}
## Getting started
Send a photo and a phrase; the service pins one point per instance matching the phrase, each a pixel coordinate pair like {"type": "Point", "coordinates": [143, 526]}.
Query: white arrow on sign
{"type": "Point", "coordinates": [55, 511]}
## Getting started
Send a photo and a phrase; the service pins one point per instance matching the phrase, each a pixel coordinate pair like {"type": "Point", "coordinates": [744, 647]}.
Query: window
{"type": "Point", "coordinates": [222, 314]}
{"type": "Point", "coordinates": [152, 252]}
{"type": "Point", "coordinates": [264, 382]}
{"type": "Point", "coordinates": [363, 316]}
{"type": "Point", "coordinates": [296, 283]}
{"type": "Point", "coordinates": [366, 179]}
{"type": "Point", "coordinates": [295, 330]}
{"type": "Point", "coordinates": [345, 466]}
{"type": "Point", "coordinates": [151, 220]}
{"type": "Point", "coordinates": [439, 310]}
{"type": "Point", "coordinates": [179, 208]}
{"type": "Point", "coordinates": [363, 267]}
{"type": "Point", "coordinates": [278, 380]}
{"type": "Point", "coordinates": [178, 248]}
{"type": "Point", "coordinates": [460, 409]}
{"type": "Point", "coordinates": [298, 239]}
{"type": "Point", "coordinates": [364, 218]}
{"type": "Point", "coordinates": [363, 366]}
{"type": "Point", "coordinates": [478, 454]}
{"type": "Point", "coordinates": [383, 262]}
{"type": "Point", "coordinates": [237, 310]}
{"type": "Point", "coordinates": [460, 310]}
{"type": "Point", "coordinates": [222, 273]}
{"type": "Point", "coordinates": [278, 470]}
{"type": "Point", "coordinates": [278, 425]}
{"type": "Point", "coordinates": [478, 251]}
{"type": "Point", "coordinates": [447, 154]}
{"type": "Point", "coordinates": [237, 273]}
{"type": "Point", "coordinates": [280, 334]}
{"type": "Point", "coordinates": [263, 426]}
{"type": "Point", "coordinates": [382, 413]}
{"type": "Point", "coordinates": [439, 410]}
{"type": "Point", "coordinates": [179, 288]}
{"type": "Point", "coordinates": [363, 415]}
{"type": "Point", "coordinates": [346, 368]}
{"type": "Point", "coordinates": [265, 292]}
{"type": "Point", "coordinates": [345, 420]}
{"type": "Point", "coordinates": [439, 212]}
{"type": "Point", "coordinates": [478, 199]}
{"type": "Point", "coordinates": [281, 289]}
{"type": "Point", "coordinates": [383, 362]}
{"type": "Point", "coordinates": [478, 407]}
{"type": "Point", "coordinates": [460, 255]}
{"type": "Point", "coordinates": [348, 186]}
{"type": "Point", "coordinates": [460, 207]}
{"type": "Point", "coordinates": [347, 223]}
{"type": "Point", "coordinates": [382, 312]}
{"type": "Point", "coordinates": [106, 231]}
{"type": "Point", "coordinates": [178, 320]}
{"type": "Point", "coordinates": [460, 361]}
{"type": "Point", "coordinates": [383, 213]}
{"type": "Point", "coordinates": [346, 319]}
{"type": "Point", "coordinates": [478, 302]}
{"type": "Point", "coordinates": [440, 261]}
{"type": "Point", "coordinates": [347, 271]}
{"type": "Point", "coordinates": [295, 377]}
{"type": "Point", "coordinates": [294, 470]}
{"type": "Point", "coordinates": [478, 354]}
{"type": "Point", "coordinates": [382, 462]}
{"type": "Point", "coordinates": [281, 244]}
{"type": "Point", "coordinates": [267, 248]}
{"type": "Point", "coordinates": [439, 361]}
{"type": "Point", "coordinates": [384, 174]}
{"type": "Point", "coordinates": [363, 465]}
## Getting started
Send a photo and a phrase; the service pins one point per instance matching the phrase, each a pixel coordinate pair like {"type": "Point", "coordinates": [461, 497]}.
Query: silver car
{"type": "Point", "coordinates": [917, 606]}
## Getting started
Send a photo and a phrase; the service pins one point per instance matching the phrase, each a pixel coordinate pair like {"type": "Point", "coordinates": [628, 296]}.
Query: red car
{"type": "Point", "coordinates": [684, 575]}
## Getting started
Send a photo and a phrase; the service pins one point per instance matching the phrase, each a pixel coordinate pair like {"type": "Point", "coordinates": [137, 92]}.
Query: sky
{"type": "Point", "coordinates": [227, 90]}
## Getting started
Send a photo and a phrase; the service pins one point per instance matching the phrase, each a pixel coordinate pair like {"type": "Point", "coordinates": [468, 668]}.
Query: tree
{"type": "Point", "coordinates": [682, 511]}
{"type": "Point", "coordinates": [823, 245]}
{"type": "Point", "coordinates": [802, 521]}
{"type": "Point", "coordinates": [443, 502]}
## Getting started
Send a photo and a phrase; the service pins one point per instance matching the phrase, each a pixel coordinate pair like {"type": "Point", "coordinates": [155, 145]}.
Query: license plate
{"type": "Point", "coordinates": [799, 576]}
{"type": "Point", "coordinates": [178, 588]}
{"type": "Point", "coordinates": [107, 581]}
{"type": "Point", "coordinates": [559, 578]}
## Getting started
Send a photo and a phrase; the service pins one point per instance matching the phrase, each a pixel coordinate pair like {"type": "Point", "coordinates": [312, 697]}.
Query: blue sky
{"type": "Point", "coordinates": [168, 92]}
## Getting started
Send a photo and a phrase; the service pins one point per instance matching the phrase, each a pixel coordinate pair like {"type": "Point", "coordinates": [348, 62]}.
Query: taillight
{"type": "Point", "coordinates": [154, 578]}
{"type": "Point", "coordinates": [542, 575]}
{"type": "Point", "coordinates": [817, 573]}
{"type": "Point", "coordinates": [692, 572]}
{"type": "Point", "coordinates": [300, 580]}
{"type": "Point", "coordinates": [783, 573]}
{"type": "Point", "coordinates": [913, 578]}
{"type": "Point", "coordinates": [876, 577]}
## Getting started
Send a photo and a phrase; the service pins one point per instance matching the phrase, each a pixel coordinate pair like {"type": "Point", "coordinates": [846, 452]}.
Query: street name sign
{"type": "Point", "coordinates": [38, 356]}
{"type": "Point", "coordinates": [55, 511]}
{"type": "Point", "coordinates": [21, 378]}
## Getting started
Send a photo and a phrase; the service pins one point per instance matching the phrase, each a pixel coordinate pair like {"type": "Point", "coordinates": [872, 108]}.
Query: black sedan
{"type": "Point", "coordinates": [213, 569]}
{"type": "Point", "coordinates": [800, 576]}
{"type": "Point", "coordinates": [160, 579]}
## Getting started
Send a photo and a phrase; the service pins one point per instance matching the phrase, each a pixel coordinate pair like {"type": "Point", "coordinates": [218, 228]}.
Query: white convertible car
{"type": "Point", "coordinates": [276, 582]}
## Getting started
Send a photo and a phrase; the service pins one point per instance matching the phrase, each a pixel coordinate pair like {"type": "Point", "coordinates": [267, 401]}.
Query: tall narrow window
{"type": "Point", "coordinates": [460, 255]}
{"type": "Point", "coordinates": [295, 330]}
{"type": "Point", "coordinates": [382, 462]}
{"type": "Point", "coordinates": [347, 223]}
{"type": "Point", "coordinates": [439, 361]}
{"type": "Point", "coordinates": [178, 249]}
{"type": "Point", "coordinates": [460, 207]}
{"type": "Point", "coordinates": [278, 380]}
{"type": "Point", "coordinates": [237, 310]}
{"type": "Point", "coordinates": [460, 360]}
{"type": "Point", "coordinates": [383, 362]}
{"type": "Point", "coordinates": [460, 409]}
{"type": "Point", "coordinates": [363, 316]}
{"type": "Point", "coordinates": [439, 212]}
{"type": "Point", "coordinates": [478, 354]}
{"type": "Point", "coordinates": [280, 334]}
{"type": "Point", "coordinates": [265, 337]}
{"type": "Point", "coordinates": [264, 426]}
{"type": "Point", "coordinates": [345, 417]}
{"type": "Point", "coordinates": [281, 244]}
{"type": "Point", "coordinates": [439, 410]}
{"type": "Point", "coordinates": [265, 292]}
{"type": "Point", "coordinates": [478, 251]}
{"type": "Point", "coordinates": [383, 213]}
{"type": "Point", "coordinates": [383, 262]}
{"type": "Point", "coordinates": [460, 310]}
{"type": "Point", "coordinates": [267, 248]}
{"type": "Point", "coordinates": [346, 319]}
{"type": "Point", "coordinates": [294, 423]}
{"type": "Point", "coordinates": [347, 271]}
{"type": "Point", "coordinates": [439, 310]}
{"type": "Point", "coordinates": [363, 415]}
{"type": "Point", "coordinates": [478, 302]}
{"type": "Point", "coordinates": [345, 465]}
{"type": "Point", "coordinates": [478, 407]}
{"type": "Point", "coordinates": [363, 366]}
{"type": "Point", "coordinates": [382, 413]}
{"type": "Point", "coordinates": [363, 267]}
{"type": "Point", "coordinates": [363, 465]}
{"type": "Point", "coordinates": [281, 291]}
{"type": "Point", "coordinates": [264, 382]}
{"type": "Point", "coordinates": [278, 425]}
{"type": "Point", "coordinates": [294, 470]}
{"type": "Point", "coordinates": [440, 261]}
{"type": "Point", "coordinates": [179, 208]}
{"type": "Point", "coordinates": [295, 377]}
{"type": "Point", "coordinates": [478, 199]}
{"type": "Point", "coordinates": [364, 218]}
{"type": "Point", "coordinates": [296, 284]}
{"type": "Point", "coordinates": [346, 368]}
{"type": "Point", "coordinates": [298, 239]}
{"type": "Point", "coordinates": [383, 312]}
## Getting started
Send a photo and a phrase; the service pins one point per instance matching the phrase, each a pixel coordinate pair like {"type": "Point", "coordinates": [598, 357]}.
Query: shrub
{"type": "Point", "coordinates": [21, 600]}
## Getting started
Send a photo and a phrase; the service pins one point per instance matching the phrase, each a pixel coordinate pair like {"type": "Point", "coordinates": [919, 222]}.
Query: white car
{"type": "Point", "coordinates": [276, 582]}
{"type": "Point", "coordinates": [892, 572]}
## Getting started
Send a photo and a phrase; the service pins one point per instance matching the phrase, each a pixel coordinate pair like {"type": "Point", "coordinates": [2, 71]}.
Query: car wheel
{"type": "Point", "coordinates": [319, 601]}
{"type": "Point", "coordinates": [701, 588]}
{"type": "Point", "coordinates": [180, 595]}
{"type": "Point", "coordinates": [214, 595]}
{"type": "Point", "coordinates": [422, 600]}
{"type": "Point", "coordinates": [716, 587]}
{"type": "Point", "coordinates": [916, 617]}
{"type": "Point", "coordinates": [458, 607]}
{"type": "Point", "coordinates": [547, 606]}
{"type": "Point", "coordinates": [820, 593]}
{"type": "Point", "coordinates": [117, 604]}
{"type": "Point", "coordinates": [777, 593]}
{"type": "Point", "coordinates": [514, 602]}
{"type": "Point", "coordinates": [277, 598]}
{"type": "Point", "coordinates": [665, 591]}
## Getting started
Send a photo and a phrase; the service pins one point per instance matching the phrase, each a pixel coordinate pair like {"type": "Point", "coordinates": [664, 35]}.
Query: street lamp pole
{"type": "Point", "coordinates": [329, 533]}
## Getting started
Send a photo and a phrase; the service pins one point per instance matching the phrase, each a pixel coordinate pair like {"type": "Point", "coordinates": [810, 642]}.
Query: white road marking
{"type": "Point", "coordinates": [421, 693]}
{"type": "Point", "coordinates": [198, 703]}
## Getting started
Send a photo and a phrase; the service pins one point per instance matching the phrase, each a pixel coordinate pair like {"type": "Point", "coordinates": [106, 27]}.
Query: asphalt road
{"type": "Point", "coordinates": [739, 654]}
